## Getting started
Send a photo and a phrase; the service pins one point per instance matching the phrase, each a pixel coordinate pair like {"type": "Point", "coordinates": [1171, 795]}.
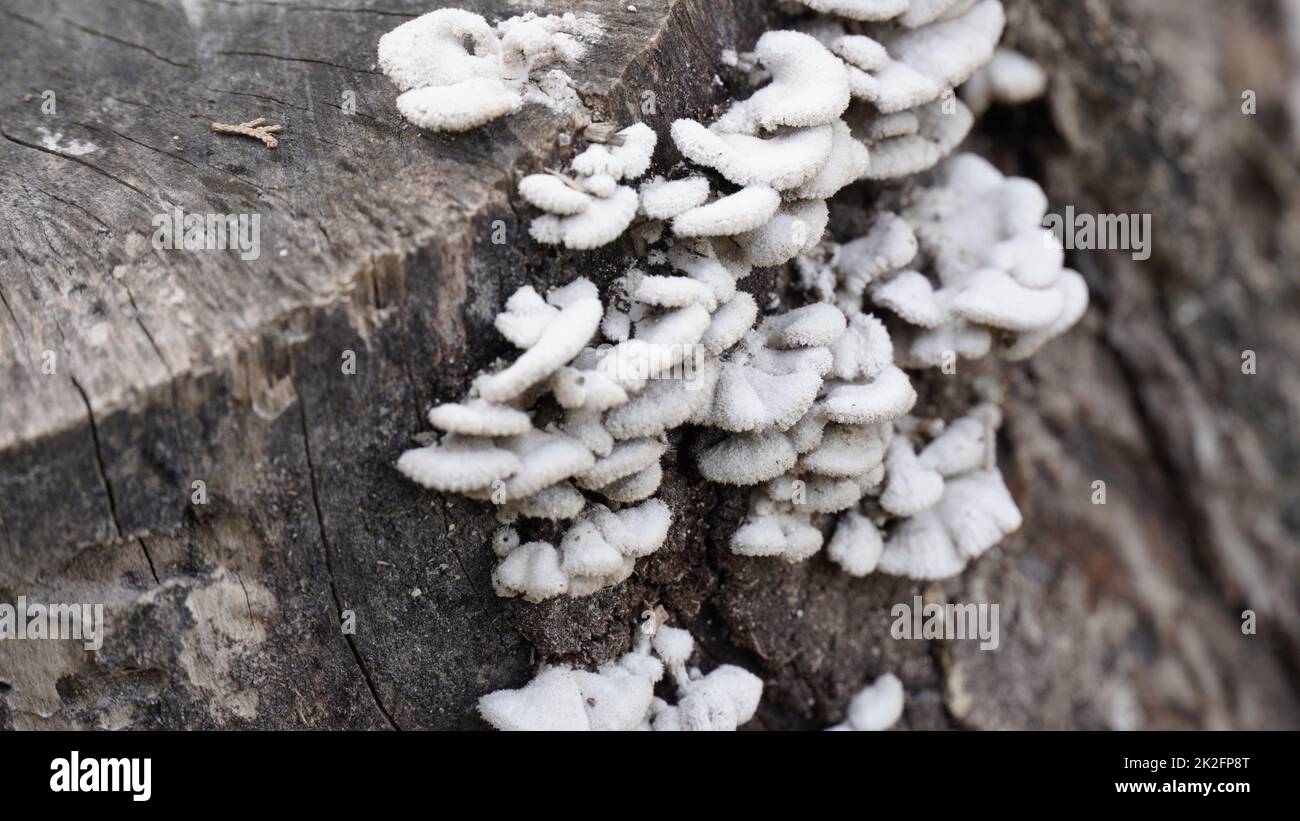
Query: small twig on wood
{"type": "Point", "coordinates": [252, 128]}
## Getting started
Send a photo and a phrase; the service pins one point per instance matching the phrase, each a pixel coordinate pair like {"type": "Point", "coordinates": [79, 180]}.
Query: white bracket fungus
{"type": "Point", "coordinates": [457, 72]}
{"type": "Point", "coordinates": [809, 408]}
{"type": "Point", "coordinates": [620, 694]}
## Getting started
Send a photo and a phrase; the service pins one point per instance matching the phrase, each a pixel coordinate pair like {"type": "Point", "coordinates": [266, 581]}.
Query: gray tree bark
{"type": "Point", "coordinates": [176, 367]}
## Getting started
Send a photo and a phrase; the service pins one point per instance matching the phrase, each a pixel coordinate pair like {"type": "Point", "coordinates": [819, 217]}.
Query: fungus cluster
{"type": "Point", "coordinates": [620, 695]}
{"type": "Point", "coordinates": [458, 72]}
{"type": "Point", "coordinates": [809, 407]}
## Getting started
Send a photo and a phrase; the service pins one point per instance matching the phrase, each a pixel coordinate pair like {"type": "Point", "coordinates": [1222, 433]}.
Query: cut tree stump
{"type": "Point", "coordinates": [128, 374]}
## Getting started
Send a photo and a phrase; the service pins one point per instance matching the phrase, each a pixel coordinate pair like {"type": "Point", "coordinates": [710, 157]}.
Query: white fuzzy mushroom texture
{"type": "Point", "coordinates": [617, 697]}
{"type": "Point", "coordinates": [924, 12]}
{"type": "Point", "coordinates": [561, 339]}
{"type": "Point", "coordinates": [950, 50]}
{"type": "Point", "coordinates": [588, 427]}
{"type": "Point", "coordinates": [809, 87]}
{"type": "Point", "coordinates": [545, 459]}
{"type": "Point", "coordinates": [856, 545]}
{"type": "Point", "coordinates": [932, 347]}
{"type": "Point", "coordinates": [1010, 78]}
{"type": "Point", "coordinates": [635, 488]}
{"type": "Point", "coordinates": [721, 701]}
{"type": "Point", "coordinates": [975, 513]}
{"type": "Point", "coordinates": [479, 418]}
{"type": "Point", "coordinates": [910, 487]}
{"type": "Point", "coordinates": [795, 229]}
{"type": "Point", "coordinates": [748, 398]}
{"type": "Point", "coordinates": [626, 457]}
{"type": "Point", "coordinates": [526, 317]}
{"type": "Point", "coordinates": [888, 245]}
{"type": "Point", "coordinates": [600, 223]}
{"type": "Point", "coordinates": [558, 502]}
{"type": "Point", "coordinates": [459, 464]}
{"type": "Point", "coordinates": [961, 448]}
{"type": "Point", "coordinates": [529, 40]}
{"type": "Point", "coordinates": [994, 298]}
{"type": "Point", "coordinates": [847, 163]}
{"type": "Point", "coordinates": [785, 161]}
{"type": "Point", "coordinates": [459, 107]}
{"type": "Point", "coordinates": [887, 396]}
{"type": "Point", "coordinates": [664, 199]}
{"type": "Point", "coordinates": [847, 451]}
{"type": "Point", "coordinates": [431, 50]}
{"type": "Point", "coordinates": [674, 292]}
{"type": "Point", "coordinates": [866, 10]}
{"type": "Point", "coordinates": [808, 326]}
{"type": "Point", "coordinates": [889, 85]}
{"type": "Point", "coordinates": [532, 571]}
{"type": "Point", "coordinates": [941, 126]}
{"type": "Point", "coordinates": [912, 296]}
{"type": "Point", "coordinates": [626, 156]}
{"type": "Point", "coordinates": [748, 458]}
{"type": "Point", "coordinates": [730, 323]}
{"type": "Point", "coordinates": [745, 210]}
{"type": "Point", "coordinates": [865, 349]}
{"type": "Point", "coordinates": [788, 535]}
{"type": "Point", "coordinates": [1074, 294]}
{"type": "Point", "coordinates": [665, 404]}
{"type": "Point", "coordinates": [814, 494]}
{"type": "Point", "coordinates": [553, 194]}
{"type": "Point", "coordinates": [878, 706]}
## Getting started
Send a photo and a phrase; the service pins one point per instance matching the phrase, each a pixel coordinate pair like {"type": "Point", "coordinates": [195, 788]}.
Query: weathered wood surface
{"type": "Point", "coordinates": [179, 366]}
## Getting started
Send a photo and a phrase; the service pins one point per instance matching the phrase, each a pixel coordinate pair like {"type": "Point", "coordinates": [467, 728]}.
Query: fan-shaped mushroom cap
{"type": "Point", "coordinates": [626, 458]}
{"type": "Point", "coordinates": [736, 213]}
{"type": "Point", "coordinates": [747, 458]}
{"type": "Point", "coordinates": [977, 510]}
{"type": "Point", "coordinates": [939, 133]}
{"type": "Point", "coordinates": [910, 487]}
{"type": "Point", "coordinates": [664, 404]}
{"type": "Point", "coordinates": [961, 448]}
{"type": "Point", "coordinates": [545, 458]}
{"type": "Point", "coordinates": [635, 488]}
{"type": "Point", "coordinates": [664, 199]}
{"type": "Point", "coordinates": [780, 162]}
{"type": "Point", "coordinates": [586, 553]}
{"type": "Point", "coordinates": [1074, 293]}
{"type": "Point", "coordinates": [787, 535]}
{"type": "Point", "coordinates": [557, 502]}
{"type": "Point", "coordinates": [563, 338]}
{"type": "Point", "coordinates": [477, 417]}
{"type": "Point", "coordinates": [845, 451]}
{"type": "Point", "coordinates": [458, 107]}
{"type": "Point", "coordinates": [721, 701]}
{"type": "Point", "coordinates": [627, 160]}
{"type": "Point", "coordinates": [995, 299]}
{"type": "Point", "coordinates": [847, 162]}
{"type": "Point", "coordinates": [888, 245]}
{"type": "Point", "coordinates": [920, 548]}
{"type": "Point", "coordinates": [600, 223]}
{"type": "Point", "coordinates": [553, 195]}
{"type": "Point", "coordinates": [949, 51]}
{"type": "Point", "coordinates": [809, 86]}
{"type": "Point", "coordinates": [730, 323]}
{"type": "Point", "coordinates": [856, 545]}
{"type": "Point", "coordinates": [430, 50]}
{"type": "Point", "coordinates": [818, 324]}
{"type": "Point", "coordinates": [912, 296]}
{"type": "Point", "coordinates": [886, 397]}
{"type": "Point", "coordinates": [551, 701]}
{"type": "Point", "coordinates": [673, 645]}
{"type": "Point", "coordinates": [796, 228]}
{"type": "Point", "coordinates": [924, 12]}
{"type": "Point", "coordinates": [931, 347]}
{"type": "Point", "coordinates": [532, 571]}
{"type": "Point", "coordinates": [864, 351]}
{"type": "Point", "coordinates": [459, 464]}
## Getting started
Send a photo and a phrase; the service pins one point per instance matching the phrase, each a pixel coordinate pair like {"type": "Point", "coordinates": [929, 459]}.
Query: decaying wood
{"type": "Point", "coordinates": [128, 373]}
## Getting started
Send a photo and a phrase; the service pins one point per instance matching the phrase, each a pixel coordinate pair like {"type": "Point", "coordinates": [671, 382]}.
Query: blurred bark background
{"type": "Point", "coordinates": [177, 367]}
